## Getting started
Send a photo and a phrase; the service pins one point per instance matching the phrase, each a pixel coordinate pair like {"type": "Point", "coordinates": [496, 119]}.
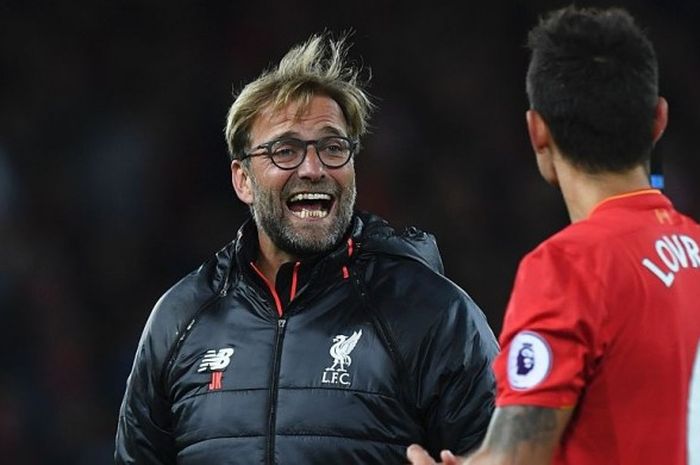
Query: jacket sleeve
{"type": "Point", "coordinates": [144, 435]}
{"type": "Point", "coordinates": [456, 385]}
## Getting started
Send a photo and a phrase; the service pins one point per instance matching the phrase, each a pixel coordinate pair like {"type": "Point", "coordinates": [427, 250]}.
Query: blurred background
{"type": "Point", "coordinates": [114, 178]}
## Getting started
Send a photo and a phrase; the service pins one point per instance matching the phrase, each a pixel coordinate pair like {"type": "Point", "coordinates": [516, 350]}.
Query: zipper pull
{"type": "Point", "coordinates": [224, 289]}
{"type": "Point", "coordinates": [281, 322]}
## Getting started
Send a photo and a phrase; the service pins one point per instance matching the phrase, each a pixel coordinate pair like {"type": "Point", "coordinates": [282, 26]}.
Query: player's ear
{"type": "Point", "coordinates": [242, 183]}
{"type": "Point", "coordinates": [543, 145]}
{"type": "Point", "coordinates": [538, 131]}
{"type": "Point", "coordinates": [660, 119]}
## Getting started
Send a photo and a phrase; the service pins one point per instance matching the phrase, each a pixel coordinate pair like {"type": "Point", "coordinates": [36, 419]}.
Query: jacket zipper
{"type": "Point", "coordinates": [272, 419]}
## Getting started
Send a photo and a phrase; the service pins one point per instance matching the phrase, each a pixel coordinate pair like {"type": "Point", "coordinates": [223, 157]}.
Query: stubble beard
{"type": "Point", "coordinates": [269, 214]}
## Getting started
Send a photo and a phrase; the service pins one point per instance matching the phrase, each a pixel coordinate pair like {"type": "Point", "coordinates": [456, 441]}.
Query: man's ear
{"type": "Point", "coordinates": [660, 119]}
{"type": "Point", "coordinates": [543, 145]}
{"type": "Point", "coordinates": [538, 131]}
{"type": "Point", "coordinates": [242, 184]}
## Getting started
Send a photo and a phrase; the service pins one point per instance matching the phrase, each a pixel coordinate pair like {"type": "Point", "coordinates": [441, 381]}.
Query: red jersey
{"type": "Point", "coordinates": [605, 316]}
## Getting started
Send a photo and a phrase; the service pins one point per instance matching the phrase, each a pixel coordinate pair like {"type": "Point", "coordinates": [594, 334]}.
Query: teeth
{"type": "Point", "coordinates": [309, 196]}
{"type": "Point", "coordinates": [311, 213]}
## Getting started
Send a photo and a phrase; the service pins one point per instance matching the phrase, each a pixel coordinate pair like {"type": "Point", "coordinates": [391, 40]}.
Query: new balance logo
{"type": "Point", "coordinates": [216, 360]}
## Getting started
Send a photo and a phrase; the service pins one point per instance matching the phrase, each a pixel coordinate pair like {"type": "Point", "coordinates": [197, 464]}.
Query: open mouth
{"type": "Point", "coordinates": [310, 204]}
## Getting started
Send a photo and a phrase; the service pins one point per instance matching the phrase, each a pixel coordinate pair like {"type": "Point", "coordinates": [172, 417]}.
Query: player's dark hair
{"type": "Point", "coordinates": [593, 77]}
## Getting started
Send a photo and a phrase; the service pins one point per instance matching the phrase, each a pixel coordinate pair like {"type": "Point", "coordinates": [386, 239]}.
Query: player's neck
{"type": "Point", "coordinates": [583, 191]}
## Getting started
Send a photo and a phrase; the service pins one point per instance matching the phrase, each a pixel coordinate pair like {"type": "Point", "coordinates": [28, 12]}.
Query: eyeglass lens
{"type": "Point", "coordinates": [289, 153]}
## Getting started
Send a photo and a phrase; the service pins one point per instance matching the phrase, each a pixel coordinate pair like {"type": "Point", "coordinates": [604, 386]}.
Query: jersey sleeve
{"type": "Point", "coordinates": [553, 332]}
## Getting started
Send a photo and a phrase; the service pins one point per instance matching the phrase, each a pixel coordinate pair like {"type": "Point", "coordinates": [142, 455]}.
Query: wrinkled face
{"type": "Point", "coordinates": [305, 210]}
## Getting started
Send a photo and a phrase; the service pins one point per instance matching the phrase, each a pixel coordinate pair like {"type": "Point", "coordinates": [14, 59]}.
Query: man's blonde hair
{"type": "Point", "coordinates": [316, 67]}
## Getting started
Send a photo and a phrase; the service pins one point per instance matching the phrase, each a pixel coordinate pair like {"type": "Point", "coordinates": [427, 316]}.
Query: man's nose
{"type": "Point", "coordinates": [311, 167]}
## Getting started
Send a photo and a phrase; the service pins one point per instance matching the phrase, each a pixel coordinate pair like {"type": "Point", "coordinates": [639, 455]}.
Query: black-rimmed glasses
{"type": "Point", "coordinates": [288, 153]}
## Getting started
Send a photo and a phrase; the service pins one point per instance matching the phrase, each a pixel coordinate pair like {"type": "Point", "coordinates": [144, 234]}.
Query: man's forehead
{"type": "Point", "coordinates": [317, 109]}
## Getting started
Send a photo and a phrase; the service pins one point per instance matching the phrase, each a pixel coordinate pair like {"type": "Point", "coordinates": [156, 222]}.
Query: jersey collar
{"type": "Point", "coordinates": [647, 198]}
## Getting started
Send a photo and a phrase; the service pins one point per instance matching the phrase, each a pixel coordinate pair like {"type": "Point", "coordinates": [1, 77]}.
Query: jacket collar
{"type": "Point", "coordinates": [247, 247]}
{"type": "Point", "coordinates": [321, 268]}
{"type": "Point", "coordinates": [368, 234]}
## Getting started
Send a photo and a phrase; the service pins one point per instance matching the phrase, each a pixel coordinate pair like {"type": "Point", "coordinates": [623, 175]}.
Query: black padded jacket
{"type": "Point", "coordinates": [351, 358]}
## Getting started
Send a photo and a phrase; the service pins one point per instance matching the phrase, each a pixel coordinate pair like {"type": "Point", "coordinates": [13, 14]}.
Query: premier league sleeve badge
{"type": "Point", "coordinates": [529, 360]}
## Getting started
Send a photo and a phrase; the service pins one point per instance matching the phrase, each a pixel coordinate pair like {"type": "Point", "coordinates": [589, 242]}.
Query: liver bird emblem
{"type": "Point", "coordinates": [340, 351]}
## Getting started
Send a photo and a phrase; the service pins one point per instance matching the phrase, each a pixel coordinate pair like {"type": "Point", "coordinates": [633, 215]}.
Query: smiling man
{"type": "Point", "coordinates": [319, 335]}
{"type": "Point", "coordinates": [302, 205]}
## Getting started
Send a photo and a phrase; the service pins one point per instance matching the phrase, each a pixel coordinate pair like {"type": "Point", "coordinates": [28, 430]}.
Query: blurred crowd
{"type": "Point", "coordinates": [114, 178]}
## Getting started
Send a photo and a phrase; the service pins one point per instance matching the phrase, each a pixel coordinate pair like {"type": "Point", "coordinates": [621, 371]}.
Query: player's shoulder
{"type": "Point", "coordinates": [687, 222]}
{"type": "Point", "coordinates": [407, 267]}
{"type": "Point", "coordinates": [403, 274]}
{"type": "Point", "coordinates": [403, 265]}
{"type": "Point", "coordinates": [413, 283]}
{"type": "Point", "coordinates": [179, 304]}
{"type": "Point", "coordinates": [576, 240]}
{"type": "Point", "coordinates": [610, 231]}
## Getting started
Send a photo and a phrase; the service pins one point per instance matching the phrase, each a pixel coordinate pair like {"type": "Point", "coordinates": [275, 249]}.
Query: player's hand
{"type": "Point", "coordinates": [418, 456]}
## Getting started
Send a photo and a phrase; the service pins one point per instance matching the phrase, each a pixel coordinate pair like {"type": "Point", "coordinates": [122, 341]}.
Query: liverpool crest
{"type": "Point", "coordinates": [340, 350]}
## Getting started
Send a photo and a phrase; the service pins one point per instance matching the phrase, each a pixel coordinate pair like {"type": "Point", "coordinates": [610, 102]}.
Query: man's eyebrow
{"type": "Point", "coordinates": [286, 135]}
{"type": "Point", "coordinates": [334, 131]}
{"type": "Point", "coordinates": [325, 131]}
